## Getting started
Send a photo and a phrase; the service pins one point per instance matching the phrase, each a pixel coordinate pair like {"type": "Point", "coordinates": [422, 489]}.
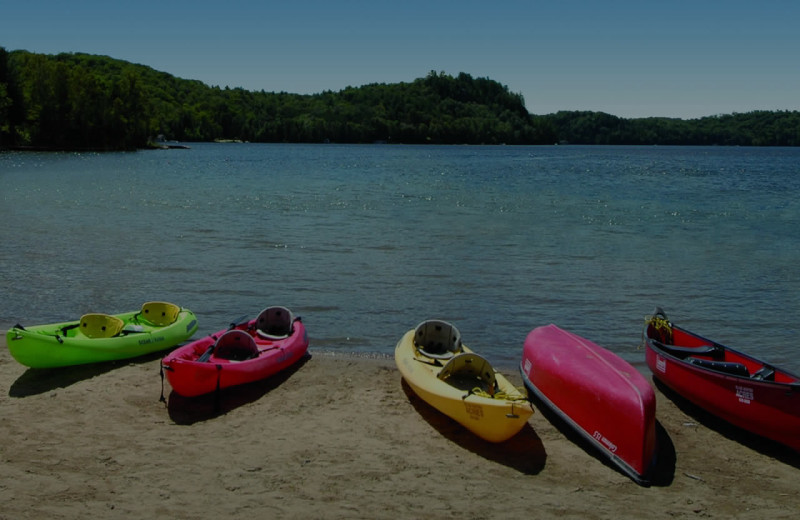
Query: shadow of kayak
{"type": "Point", "coordinates": [190, 410]}
{"type": "Point", "coordinates": [523, 452]}
{"type": "Point", "coordinates": [36, 381]}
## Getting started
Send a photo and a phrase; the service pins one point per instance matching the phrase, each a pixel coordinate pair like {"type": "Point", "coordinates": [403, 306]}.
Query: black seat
{"type": "Point", "coordinates": [236, 345]}
{"type": "Point", "coordinates": [679, 352]}
{"type": "Point", "coordinates": [726, 367]}
{"type": "Point", "coordinates": [274, 323]}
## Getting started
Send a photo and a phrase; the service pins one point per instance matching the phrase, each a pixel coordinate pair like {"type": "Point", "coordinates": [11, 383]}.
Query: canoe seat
{"type": "Point", "coordinates": [726, 367]}
{"type": "Point", "coordinates": [467, 371]}
{"type": "Point", "coordinates": [160, 313]}
{"type": "Point", "coordinates": [766, 373]}
{"type": "Point", "coordinates": [683, 352]}
{"type": "Point", "coordinates": [274, 323]}
{"type": "Point", "coordinates": [97, 325]}
{"type": "Point", "coordinates": [437, 339]}
{"type": "Point", "coordinates": [236, 345]}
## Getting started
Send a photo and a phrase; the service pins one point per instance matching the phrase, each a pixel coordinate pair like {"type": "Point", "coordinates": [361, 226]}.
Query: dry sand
{"type": "Point", "coordinates": [342, 437]}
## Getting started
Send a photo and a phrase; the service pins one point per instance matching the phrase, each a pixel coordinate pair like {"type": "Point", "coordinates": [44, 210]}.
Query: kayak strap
{"type": "Point", "coordinates": [161, 371]}
{"type": "Point", "coordinates": [499, 395]}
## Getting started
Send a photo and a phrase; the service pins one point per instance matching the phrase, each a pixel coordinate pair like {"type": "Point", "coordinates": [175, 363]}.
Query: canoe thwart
{"type": "Point", "coordinates": [679, 352]}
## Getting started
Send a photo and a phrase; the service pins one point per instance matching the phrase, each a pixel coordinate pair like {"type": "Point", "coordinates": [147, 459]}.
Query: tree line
{"type": "Point", "coordinates": [75, 101]}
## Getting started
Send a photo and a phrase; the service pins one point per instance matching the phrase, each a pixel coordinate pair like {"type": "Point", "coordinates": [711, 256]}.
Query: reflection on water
{"type": "Point", "coordinates": [367, 241]}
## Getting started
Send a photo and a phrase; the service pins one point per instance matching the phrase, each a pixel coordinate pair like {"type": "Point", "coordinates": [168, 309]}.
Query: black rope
{"type": "Point", "coordinates": [217, 398]}
{"type": "Point", "coordinates": [162, 399]}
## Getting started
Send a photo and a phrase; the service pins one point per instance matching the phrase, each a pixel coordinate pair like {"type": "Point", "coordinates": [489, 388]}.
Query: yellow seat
{"type": "Point", "coordinates": [160, 313]}
{"type": "Point", "coordinates": [101, 325]}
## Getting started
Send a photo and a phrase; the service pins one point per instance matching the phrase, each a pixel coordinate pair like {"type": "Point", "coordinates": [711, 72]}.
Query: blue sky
{"type": "Point", "coordinates": [672, 58]}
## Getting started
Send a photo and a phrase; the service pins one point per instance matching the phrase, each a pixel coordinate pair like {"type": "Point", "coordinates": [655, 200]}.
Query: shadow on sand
{"type": "Point", "coordinates": [190, 410]}
{"type": "Point", "coordinates": [36, 381]}
{"type": "Point", "coordinates": [755, 442]}
{"type": "Point", "coordinates": [662, 474]}
{"type": "Point", "coordinates": [523, 452]}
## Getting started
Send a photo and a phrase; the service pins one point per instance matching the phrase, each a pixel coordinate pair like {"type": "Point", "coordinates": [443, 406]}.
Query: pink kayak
{"type": "Point", "coordinates": [596, 393]}
{"type": "Point", "coordinates": [244, 353]}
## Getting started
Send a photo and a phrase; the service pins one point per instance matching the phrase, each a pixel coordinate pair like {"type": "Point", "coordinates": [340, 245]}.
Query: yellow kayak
{"type": "Point", "coordinates": [459, 383]}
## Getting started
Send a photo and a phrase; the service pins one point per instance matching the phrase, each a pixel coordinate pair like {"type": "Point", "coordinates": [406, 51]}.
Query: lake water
{"type": "Point", "coordinates": [364, 242]}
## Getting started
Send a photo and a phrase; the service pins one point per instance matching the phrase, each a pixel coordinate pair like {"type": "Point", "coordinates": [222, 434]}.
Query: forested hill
{"type": "Point", "coordinates": [81, 101]}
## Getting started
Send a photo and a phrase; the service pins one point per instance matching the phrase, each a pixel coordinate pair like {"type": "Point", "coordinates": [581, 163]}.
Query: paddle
{"type": "Point", "coordinates": [210, 350]}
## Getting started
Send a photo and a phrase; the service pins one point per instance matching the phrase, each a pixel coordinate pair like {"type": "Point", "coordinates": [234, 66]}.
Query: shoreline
{"type": "Point", "coordinates": [342, 436]}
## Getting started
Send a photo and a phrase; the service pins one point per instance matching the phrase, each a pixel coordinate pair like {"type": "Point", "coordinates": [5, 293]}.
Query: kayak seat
{"type": "Point", "coordinates": [437, 339]}
{"type": "Point", "coordinates": [236, 345]}
{"type": "Point", "coordinates": [726, 367]}
{"type": "Point", "coordinates": [274, 323]}
{"type": "Point", "coordinates": [466, 371]}
{"type": "Point", "coordinates": [97, 325]}
{"type": "Point", "coordinates": [160, 313]}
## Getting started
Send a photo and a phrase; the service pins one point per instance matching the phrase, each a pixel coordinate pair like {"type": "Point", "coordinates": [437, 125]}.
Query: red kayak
{"type": "Point", "coordinates": [736, 387]}
{"type": "Point", "coordinates": [244, 353]}
{"type": "Point", "coordinates": [597, 393]}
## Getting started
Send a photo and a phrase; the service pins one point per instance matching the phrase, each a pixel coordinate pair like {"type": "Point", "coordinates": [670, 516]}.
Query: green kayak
{"type": "Point", "coordinates": [102, 337]}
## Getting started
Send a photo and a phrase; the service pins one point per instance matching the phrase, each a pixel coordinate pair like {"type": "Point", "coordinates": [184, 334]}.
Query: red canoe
{"type": "Point", "coordinates": [244, 353]}
{"type": "Point", "coordinates": [597, 393]}
{"type": "Point", "coordinates": [738, 388]}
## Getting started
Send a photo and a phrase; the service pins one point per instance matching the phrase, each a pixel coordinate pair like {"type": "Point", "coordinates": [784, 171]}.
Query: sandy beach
{"type": "Point", "coordinates": [342, 437]}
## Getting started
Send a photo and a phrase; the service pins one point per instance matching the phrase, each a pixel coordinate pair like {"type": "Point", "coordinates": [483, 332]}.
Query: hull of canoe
{"type": "Point", "coordinates": [728, 383]}
{"type": "Point", "coordinates": [596, 393]}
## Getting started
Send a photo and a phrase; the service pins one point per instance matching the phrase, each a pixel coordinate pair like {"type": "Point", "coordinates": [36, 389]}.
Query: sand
{"type": "Point", "coordinates": [341, 436]}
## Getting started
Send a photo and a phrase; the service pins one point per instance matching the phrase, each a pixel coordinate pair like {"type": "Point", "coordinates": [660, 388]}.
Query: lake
{"type": "Point", "coordinates": [365, 242]}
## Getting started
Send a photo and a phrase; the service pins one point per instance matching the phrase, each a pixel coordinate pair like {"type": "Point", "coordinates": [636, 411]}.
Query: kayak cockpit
{"type": "Point", "coordinates": [236, 345]}
{"type": "Point", "coordinates": [468, 371]}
